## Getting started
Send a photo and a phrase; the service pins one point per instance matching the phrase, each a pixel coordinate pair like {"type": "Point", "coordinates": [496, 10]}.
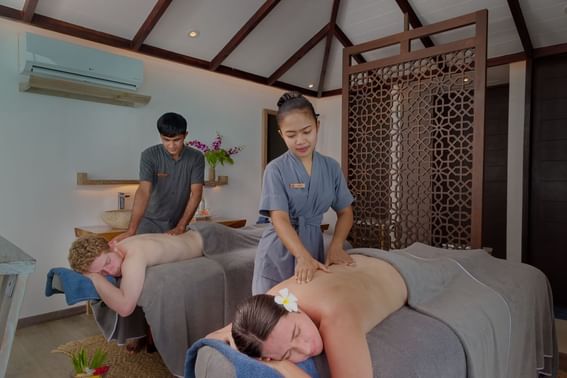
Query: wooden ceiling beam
{"type": "Point", "coordinates": [11, 13]}
{"type": "Point", "coordinates": [521, 26]}
{"type": "Point", "coordinates": [298, 54]}
{"type": "Point", "coordinates": [63, 27]}
{"type": "Point", "coordinates": [328, 42]}
{"type": "Point", "coordinates": [414, 21]}
{"type": "Point", "coordinates": [506, 59]}
{"type": "Point", "coordinates": [346, 42]}
{"type": "Point", "coordinates": [149, 24]}
{"type": "Point", "coordinates": [29, 10]}
{"type": "Point", "coordinates": [203, 64]}
{"type": "Point", "coordinates": [250, 25]}
{"type": "Point", "coordinates": [115, 41]}
{"type": "Point", "coordinates": [550, 50]}
{"type": "Point", "coordinates": [173, 56]}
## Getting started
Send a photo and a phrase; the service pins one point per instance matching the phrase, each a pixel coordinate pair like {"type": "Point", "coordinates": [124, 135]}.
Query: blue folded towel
{"type": "Point", "coordinates": [244, 366]}
{"type": "Point", "coordinates": [76, 287]}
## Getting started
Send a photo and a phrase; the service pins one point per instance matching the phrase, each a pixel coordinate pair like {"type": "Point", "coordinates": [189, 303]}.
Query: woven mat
{"type": "Point", "coordinates": [122, 364]}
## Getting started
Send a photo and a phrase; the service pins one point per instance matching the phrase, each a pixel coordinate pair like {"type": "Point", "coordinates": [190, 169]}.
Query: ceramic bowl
{"type": "Point", "coordinates": [117, 218]}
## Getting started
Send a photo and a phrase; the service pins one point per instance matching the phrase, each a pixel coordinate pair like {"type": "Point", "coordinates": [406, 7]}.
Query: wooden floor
{"type": "Point", "coordinates": [31, 352]}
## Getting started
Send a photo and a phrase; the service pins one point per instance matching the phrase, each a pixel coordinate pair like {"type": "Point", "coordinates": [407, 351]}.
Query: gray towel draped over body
{"type": "Point", "coordinates": [501, 311]}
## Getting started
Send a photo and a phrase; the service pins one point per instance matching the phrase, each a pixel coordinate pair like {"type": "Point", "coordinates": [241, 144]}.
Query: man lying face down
{"type": "Point", "coordinates": [92, 256]}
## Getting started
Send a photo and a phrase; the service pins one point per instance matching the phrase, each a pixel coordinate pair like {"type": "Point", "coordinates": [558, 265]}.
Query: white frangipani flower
{"type": "Point", "coordinates": [287, 299]}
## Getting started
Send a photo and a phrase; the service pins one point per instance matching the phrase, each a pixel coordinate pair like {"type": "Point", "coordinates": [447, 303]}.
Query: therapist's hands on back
{"type": "Point", "coordinates": [305, 268]}
{"type": "Point", "coordinates": [337, 255]}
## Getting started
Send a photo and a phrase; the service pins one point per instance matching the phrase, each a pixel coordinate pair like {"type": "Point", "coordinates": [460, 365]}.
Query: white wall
{"type": "Point", "coordinates": [329, 138]}
{"type": "Point", "coordinates": [45, 141]}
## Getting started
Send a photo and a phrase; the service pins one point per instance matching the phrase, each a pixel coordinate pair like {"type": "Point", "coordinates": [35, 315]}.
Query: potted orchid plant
{"type": "Point", "coordinates": [215, 154]}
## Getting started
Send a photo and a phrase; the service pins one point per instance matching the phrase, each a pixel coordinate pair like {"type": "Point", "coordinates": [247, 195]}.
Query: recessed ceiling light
{"type": "Point", "coordinates": [193, 34]}
{"type": "Point", "coordinates": [311, 85]}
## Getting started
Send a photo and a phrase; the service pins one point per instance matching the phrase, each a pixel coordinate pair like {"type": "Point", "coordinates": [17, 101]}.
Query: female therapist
{"type": "Point", "coordinates": [298, 188]}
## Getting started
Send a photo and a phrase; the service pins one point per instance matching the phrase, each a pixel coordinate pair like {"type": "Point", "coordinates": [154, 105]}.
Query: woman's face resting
{"type": "Point", "coordinates": [295, 338]}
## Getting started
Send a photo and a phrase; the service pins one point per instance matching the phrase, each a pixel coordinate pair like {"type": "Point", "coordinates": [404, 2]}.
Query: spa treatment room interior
{"type": "Point", "coordinates": [389, 176]}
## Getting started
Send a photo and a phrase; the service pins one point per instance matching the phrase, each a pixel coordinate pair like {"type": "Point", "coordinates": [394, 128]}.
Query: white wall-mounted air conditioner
{"type": "Point", "coordinates": [46, 57]}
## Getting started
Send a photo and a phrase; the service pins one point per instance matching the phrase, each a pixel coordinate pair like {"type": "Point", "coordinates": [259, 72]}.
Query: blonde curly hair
{"type": "Point", "coordinates": [84, 250]}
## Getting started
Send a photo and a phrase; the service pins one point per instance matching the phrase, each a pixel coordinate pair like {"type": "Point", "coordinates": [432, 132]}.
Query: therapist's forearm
{"type": "Point", "coordinates": [288, 235]}
{"type": "Point", "coordinates": [191, 208]}
{"type": "Point", "coordinates": [343, 226]}
{"type": "Point", "coordinates": [141, 199]}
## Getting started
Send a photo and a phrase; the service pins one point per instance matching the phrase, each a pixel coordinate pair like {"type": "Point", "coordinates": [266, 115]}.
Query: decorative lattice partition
{"type": "Point", "coordinates": [413, 138]}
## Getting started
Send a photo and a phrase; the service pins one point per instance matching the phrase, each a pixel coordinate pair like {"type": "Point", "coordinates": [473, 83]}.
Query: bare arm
{"type": "Point", "coordinates": [122, 299]}
{"type": "Point", "coordinates": [346, 347]}
{"type": "Point", "coordinates": [141, 199]}
{"type": "Point", "coordinates": [336, 253]}
{"type": "Point", "coordinates": [306, 265]}
{"type": "Point", "coordinates": [190, 209]}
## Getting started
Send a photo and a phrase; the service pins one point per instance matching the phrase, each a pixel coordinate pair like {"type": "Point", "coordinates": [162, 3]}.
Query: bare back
{"type": "Point", "coordinates": [139, 252]}
{"type": "Point", "coordinates": [346, 304]}
{"type": "Point", "coordinates": [369, 291]}
{"type": "Point", "coordinates": [156, 249]}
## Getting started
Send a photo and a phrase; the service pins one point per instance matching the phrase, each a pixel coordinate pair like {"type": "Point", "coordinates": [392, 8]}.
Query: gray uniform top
{"type": "Point", "coordinates": [289, 188]}
{"type": "Point", "coordinates": [171, 185]}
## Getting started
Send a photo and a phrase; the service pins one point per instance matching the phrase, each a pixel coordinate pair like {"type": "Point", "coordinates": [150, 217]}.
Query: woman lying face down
{"type": "Point", "coordinates": [294, 322]}
{"type": "Point", "coordinates": [266, 329]}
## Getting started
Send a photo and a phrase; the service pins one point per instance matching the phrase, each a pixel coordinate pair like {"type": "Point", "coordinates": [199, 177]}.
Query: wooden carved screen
{"type": "Point", "coordinates": [413, 139]}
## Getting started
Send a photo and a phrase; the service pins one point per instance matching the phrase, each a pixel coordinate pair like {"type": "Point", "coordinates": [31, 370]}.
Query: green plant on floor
{"type": "Point", "coordinates": [89, 368]}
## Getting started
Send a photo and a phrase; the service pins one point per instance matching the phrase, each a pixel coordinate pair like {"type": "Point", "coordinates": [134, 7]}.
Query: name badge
{"type": "Point", "coordinates": [298, 185]}
{"type": "Point", "coordinates": [162, 174]}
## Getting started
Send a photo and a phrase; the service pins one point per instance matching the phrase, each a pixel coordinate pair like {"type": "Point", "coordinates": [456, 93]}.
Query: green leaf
{"type": "Point", "coordinates": [79, 360]}
{"type": "Point", "coordinates": [98, 358]}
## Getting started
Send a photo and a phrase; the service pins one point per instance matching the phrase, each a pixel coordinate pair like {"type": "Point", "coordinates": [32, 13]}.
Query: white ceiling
{"type": "Point", "coordinates": [292, 23]}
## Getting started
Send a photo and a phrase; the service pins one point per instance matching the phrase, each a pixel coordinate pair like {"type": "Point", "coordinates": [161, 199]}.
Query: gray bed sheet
{"type": "Point", "coordinates": [501, 311]}
{"type": "Point", "coordinates": [186, 300]}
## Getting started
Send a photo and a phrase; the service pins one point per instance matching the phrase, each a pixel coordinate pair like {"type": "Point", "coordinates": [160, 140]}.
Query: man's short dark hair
{"type": "Point", "coordinates": [171, 125]}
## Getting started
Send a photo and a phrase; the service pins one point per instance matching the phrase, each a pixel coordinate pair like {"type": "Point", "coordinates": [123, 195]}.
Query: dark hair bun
{"type": "Point", "coordinates": [288, 96]}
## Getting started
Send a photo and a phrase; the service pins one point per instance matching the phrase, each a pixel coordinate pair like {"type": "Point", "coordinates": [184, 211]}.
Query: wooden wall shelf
{"type": "Point", "coordinates": [221, 180]}
{"type": "Point", "coordinates": [83, 179]}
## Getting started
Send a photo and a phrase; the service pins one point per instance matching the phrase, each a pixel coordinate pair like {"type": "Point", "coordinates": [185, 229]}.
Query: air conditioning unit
{"type": "Point", "coordinates": [50, 57]}
{"type": "Point", "coordinates": [60, 68]}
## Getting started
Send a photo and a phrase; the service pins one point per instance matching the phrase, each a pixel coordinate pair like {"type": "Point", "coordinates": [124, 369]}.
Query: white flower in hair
{"type": "Point", "coordinates": [287, 299]}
